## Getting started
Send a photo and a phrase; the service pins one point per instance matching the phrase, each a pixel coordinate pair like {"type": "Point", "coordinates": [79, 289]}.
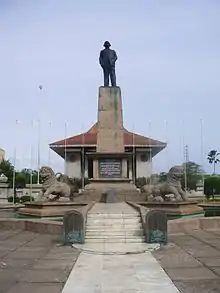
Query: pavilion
{"type": "Point", "coordinates": [75, 151]}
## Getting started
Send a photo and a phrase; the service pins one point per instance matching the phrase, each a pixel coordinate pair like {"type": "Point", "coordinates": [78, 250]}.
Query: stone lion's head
{"type": "Point", "coordinates": [176, 173]}
{"type": "Point", "coordinates": [46, 173]}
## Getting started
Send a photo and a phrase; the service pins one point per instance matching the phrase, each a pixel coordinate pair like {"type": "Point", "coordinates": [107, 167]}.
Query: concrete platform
{"type": "Point", "coordinates": [118, 208]}
{"type": "Point", "coordinates": [48, 209]}
{"type": "Point", "coordinates": [175, 209]}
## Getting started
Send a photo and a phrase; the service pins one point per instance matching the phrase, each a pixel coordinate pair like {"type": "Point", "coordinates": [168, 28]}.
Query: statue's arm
{"type": "Point", "coordinates": [115, 56]}
{"type": "Point", "coordinates": [101, 59]}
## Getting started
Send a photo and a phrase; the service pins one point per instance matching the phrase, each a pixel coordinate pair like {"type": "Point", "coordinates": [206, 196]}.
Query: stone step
{"type": "Point", "coordinates": [111, 221]}
{"type": "Point", "coordinates": [114, 233]}
{"type": "Point", "coordinates": [113, 226]}
{"type": "Point", "coordinates": [113, 216]}
{"type": "Point", "coordinates": [125, 236]}
{"type": "Point", "coordinates": [116, 240]}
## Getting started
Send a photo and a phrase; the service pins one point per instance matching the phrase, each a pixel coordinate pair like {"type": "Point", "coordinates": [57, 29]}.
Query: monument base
{"type": "Point", "coordinates": [124, 190]}
{"type": "Point", "coordinates": [48, 209]}
{"type": "Point", "coordinates": [175, 210]}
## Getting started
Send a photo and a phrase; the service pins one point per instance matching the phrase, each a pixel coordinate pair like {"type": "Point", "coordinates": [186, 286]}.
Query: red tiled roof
{"type": "Point", "coordinates": [90, 138]}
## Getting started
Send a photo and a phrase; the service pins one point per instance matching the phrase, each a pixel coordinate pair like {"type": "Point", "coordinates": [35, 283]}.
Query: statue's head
{"type": "Point", "coordinates": [176, 172]}
{"type": "Point", "coordinates": [46, 173]}
{"type": "Point", "coordinates": [107, 44]}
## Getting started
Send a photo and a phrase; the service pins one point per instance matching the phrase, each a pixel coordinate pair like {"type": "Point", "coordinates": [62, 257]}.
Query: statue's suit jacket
{"type": "Point", "coordinates": [107, 58]}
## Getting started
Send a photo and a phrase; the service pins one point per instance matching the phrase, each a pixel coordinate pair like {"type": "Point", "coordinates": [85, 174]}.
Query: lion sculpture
{"type": "Point", "coordinates": [55, 186]}
{"type": "Point", "coordinates": [160, 190]}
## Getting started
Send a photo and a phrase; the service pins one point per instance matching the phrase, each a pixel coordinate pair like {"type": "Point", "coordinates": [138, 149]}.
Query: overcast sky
{"type": "Point", "coordinates": [168, 69]}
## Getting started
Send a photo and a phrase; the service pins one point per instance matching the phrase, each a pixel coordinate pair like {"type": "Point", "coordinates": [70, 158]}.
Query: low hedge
{"type": "Point", "coordinates": [12, 199]}
{"type": "Point", "coordinates": [21, 199]}
{"type": "Point", "coordinates": [25, 198]}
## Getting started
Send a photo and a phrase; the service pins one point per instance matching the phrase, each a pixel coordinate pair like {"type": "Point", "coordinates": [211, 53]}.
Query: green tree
{"type": "Point", "coordinates": [213, 158]}
{"type": "Point", "coordinates": [21, 177]}
{"type": "Point", "coordinates": [193, 175]}
{"type": "Point", "coordinates": [211, 185]}
{"type": "Point", "coordinates": [27, 173]}
{"type": "Point", "coordinates": [7, 169]}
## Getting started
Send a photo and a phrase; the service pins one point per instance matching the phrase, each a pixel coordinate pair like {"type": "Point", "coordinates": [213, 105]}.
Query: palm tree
{"type": "Point", "coordinates": [213, 158]}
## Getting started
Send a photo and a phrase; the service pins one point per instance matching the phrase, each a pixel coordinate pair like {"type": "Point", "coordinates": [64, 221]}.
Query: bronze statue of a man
{"type": "Point", "coordinates": [107, 61]}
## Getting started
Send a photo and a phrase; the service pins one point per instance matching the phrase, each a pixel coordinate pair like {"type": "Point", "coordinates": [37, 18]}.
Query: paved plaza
{"type": "Point", "coordinates": [192, 261]}
{"type": "Point", "coordinates": [30, 262]}
{"type": "Point", "coordinates": [33, 263]}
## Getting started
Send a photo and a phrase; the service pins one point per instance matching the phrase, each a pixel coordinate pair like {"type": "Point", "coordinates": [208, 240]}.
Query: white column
{"type": "Point", "coordinates": [130, 169]}
{"type": "Point", "coordinates": [86, 168]}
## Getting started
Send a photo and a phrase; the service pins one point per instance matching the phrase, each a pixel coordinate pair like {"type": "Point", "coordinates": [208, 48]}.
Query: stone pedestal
{"type": "Point", "coordinates": [109, 162]}
{"type": "Point", "coordinates": [175, 210]}
{"type": "Point", "coordinates": [110, 159]}
{"type": "Point", "coordinates": [110, 136]}
{"type": "Point", "coordinates": [48, 209]}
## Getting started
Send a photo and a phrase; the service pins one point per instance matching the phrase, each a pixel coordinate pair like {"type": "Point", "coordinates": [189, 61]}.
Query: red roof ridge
{"type": "Point", "coordinates": [92, 129]}
{"type": "Point", "coordinates": [90, 138]}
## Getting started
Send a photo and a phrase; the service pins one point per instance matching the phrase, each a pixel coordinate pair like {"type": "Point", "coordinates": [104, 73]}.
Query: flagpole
{"type": "Point", "coordinates": [184, 155]}
{"type": "Point", "coordinates": [133, 156]}
{"type": "Point", "coordinates": [202, 155]}
{"type": "Point", "coordinates": [83, 160]}
{"type": "Point", "coordinates": [14, 170]}
{"type": "Point", "coordinates": [50, 125]}
{"type": "Point", "coordinates": [31, 159]}
{"type": "Point", "coordinates": [14, 175]}
{"type": "Point", "coordinates": [167, 139]}
{"type": "Point", "coordinates": [185, 169]}
{"type": "Point", "coordinates": [38, 143]}
{"type": "Point", "coordinates": [38, 152]}
{"type": "Point", "coordinates": [65, 148]}
{"type": "Point", "coordinates": [150, 154]}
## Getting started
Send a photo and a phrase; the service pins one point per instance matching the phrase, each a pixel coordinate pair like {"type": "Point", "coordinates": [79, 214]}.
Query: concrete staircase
{"type": "Point", "coordinates": [113, 223]}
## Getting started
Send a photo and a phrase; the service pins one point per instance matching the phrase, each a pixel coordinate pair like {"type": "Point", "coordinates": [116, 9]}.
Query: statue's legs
{"type": "Point", "coordinates": [173, 190]}
{"type": "Point", "coordinates": [183, 194]}
{"type": "Point", "coordinates": [106, 77]}
{"type": "Point", "coordinates": [113, 76]}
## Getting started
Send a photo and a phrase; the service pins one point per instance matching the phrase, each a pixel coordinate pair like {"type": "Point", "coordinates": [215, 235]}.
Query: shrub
{"type": "Point", "coordinates": [25, 198]}
{"type": "Point", "coordinates": [141, 181]}
{"type": "Point", "coordinates": [16, 200]}
{"type": "Point", "coordinates": [212, 185]}
{"type": "Point", "coordinates": [78, 182]}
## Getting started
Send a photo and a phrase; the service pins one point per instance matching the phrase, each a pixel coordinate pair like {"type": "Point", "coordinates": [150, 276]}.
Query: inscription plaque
{"type": "Point", "coordinates": [156, 227]}
{"type": "Point", "coordinates": [110, 168]}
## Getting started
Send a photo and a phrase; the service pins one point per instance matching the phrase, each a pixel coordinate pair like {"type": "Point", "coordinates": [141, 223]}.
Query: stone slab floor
{"type": "Point", "coordinates": [33, 263]}
{"type": "Point", "coordinates": [192, 261]}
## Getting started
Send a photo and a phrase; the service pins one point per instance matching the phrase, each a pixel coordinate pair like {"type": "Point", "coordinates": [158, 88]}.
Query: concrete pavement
{"type": "Point", "coordinates": [118, 274]}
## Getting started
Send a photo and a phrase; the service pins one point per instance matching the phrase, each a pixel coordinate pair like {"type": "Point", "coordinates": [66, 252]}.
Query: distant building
{"type": "Point", "coordinates": [75, 149]}
{"type": "Point", "coordinates": [2, 154]}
